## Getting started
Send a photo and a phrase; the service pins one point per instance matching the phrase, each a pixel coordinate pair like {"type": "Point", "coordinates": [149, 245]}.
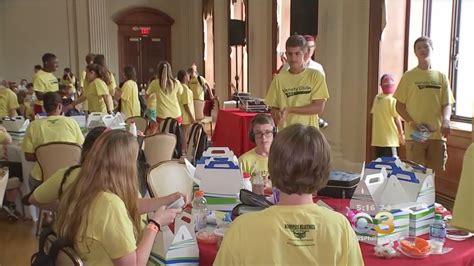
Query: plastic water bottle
{"type": "Point", "coordinates": [247, 182]}
{"type": "Point", "coordinates": [199, 210]}
{"type": "Point", "coordinates": [133, 128]}
{"type": "Point", "coordinates": [438, 231]}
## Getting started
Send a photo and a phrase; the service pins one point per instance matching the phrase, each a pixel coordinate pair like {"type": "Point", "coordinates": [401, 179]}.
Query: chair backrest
{"type": "Point", "coordinates": [197, 143]}
{"type": "Point", "coordinates": [56, 155]}
{"type": "Point", "coordinates": [171, 125]}
{"type": "Point", "coordinates": [140, 122]}
{"type": "Point", "coordinates": [199, 109]}
{"type": "Point", "coordinates": [159, 147]}
{"type": "Point", "coordinates": [66, 255]}
{"type": "Point", "coordinates": [169, 177]}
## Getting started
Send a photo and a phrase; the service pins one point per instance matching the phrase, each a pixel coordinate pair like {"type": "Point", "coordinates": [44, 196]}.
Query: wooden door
{"type": "Point", "coordinates": [144, 39]}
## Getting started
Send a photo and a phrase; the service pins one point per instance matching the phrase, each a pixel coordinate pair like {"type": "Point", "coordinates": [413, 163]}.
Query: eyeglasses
{"type": "Point", "coordinates": [262, 134]}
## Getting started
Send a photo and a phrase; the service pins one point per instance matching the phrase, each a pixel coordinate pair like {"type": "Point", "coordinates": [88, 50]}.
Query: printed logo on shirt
{"type": "Point", "coordinates": [53, 121]}
{"type": "Point", "coordinates": [297, 91]}
{"type": "Point", "coordinates": [428, 85]}
{"type": "Point", "coordinates": [300, 233]}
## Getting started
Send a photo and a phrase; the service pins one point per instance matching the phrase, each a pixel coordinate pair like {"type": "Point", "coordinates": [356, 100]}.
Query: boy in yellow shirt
{"type": "Point", "coordinates": [54, 127]}
{"type": "Point", "coordinates": [295, 231]}
{"type": "Point", "coordinates": [84, 82]}
{"type": "Point", "coordinates": [424, 98]}
{"type": "Point", "coordinates": [198, 84]}
{"type": "Point", "coordinates": [44, 80]}
{"type": "Point", "coordinates": [8, 100]}
{"type": "Point", "coordinates": [299, 94]}
{"type": "Point", "coordinates": [261, 133]}
{"type": "Point", "coordinates": [186, 103]}
{"type": "Point", "coordinates": [387, 129]}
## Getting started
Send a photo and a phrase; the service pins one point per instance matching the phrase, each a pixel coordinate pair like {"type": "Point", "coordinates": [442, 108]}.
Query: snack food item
{"type": "Point", "coordinates": [415, 246]}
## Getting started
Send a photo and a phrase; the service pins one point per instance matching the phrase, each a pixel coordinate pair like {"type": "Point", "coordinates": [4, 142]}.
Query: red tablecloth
{"type": "Point", "coordinates": [231, 130]}
{"type": "Point", "coordinates": [462, 253]}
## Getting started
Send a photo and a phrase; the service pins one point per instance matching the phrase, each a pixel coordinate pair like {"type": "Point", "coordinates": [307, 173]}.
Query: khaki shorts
{"type": "Point", "coordinates": [432, 154]}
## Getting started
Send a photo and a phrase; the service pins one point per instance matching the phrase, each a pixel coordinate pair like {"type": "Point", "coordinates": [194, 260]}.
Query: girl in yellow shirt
{"type": "Point", "coordinates": [100, 214]}
{"type": "Point", "coordinates": [167, 90]}
{"type": "Point", "coordinates": [128, 94]}
{"type": "Point", "coordinates": [97, 93]}
{"type": "Point", "coordinates": [187, 107]}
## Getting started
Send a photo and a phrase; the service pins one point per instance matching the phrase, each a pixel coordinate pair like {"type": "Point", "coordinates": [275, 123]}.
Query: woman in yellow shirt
{"type": "Point", "coordinates": [112, 86]}
{"type": "Point", "coordinates": [97, 93]}
{"type": "Point", "coordinates": [100, 214]}
{"type": "Point", "coordinates": [186, 103]}
{"type": "Point", "coordinates": [128, 94]}
{"type": "Point", "coordinates": [167, 90]}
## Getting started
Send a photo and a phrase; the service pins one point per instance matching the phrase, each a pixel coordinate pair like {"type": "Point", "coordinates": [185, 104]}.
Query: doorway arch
{"type": "Point", "coordinates": [144, 39]}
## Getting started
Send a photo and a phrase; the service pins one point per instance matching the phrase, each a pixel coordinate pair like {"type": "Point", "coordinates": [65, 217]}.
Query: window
{"type": "Point", "coordinates": [447, 23]}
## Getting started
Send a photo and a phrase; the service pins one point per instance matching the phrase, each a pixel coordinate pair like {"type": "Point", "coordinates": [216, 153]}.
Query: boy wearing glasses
{"type": "Point", "coordinates": [295, 231]}
{"type": "Point", "coordinates": [299, 94]}
{"type": "Point", "coordinates": [261, 133]}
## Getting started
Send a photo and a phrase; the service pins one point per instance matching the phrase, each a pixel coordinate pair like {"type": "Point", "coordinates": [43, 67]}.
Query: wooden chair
{"type": "Point", "coordinates": [159, 147]}
{"type": "Point", "coordinates": [56, 155]}
{"type": "Point", "coordinates": [199, 113]}
{"type": "Point", "coordinates": [140, 122]}
{"type": "Point", "coordinates": [53, 156]}
{"type": "Point", "coordinates": [66, 255]}
{"type": "Point", "coordinates": [169, 177]}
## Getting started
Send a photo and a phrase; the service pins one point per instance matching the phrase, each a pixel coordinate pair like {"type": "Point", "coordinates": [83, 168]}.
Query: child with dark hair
{"type": "Point", "coordinates": [387, 129]}
{"type": "Point", "coordinates": [69, 79]}
{"type": "Point", "coordinates": [128, 94]}
{"type": "Point", "coordinates": [295, 231]}
{"type": "Point", "coordinates": [187, 107]}
{"type": "Point", "coordinates": [54, 127]}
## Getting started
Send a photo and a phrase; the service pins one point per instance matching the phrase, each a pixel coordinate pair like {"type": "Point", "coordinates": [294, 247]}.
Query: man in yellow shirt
{"type": "Point", "coordinates": [387, 129]}
{"type": "Point", "coordinates": [8, 100]}
{"type": "Point", "coordinates": [44, 80]}
{"type": "Point", "coordinates": [54, 127]}
{"type": "Point", "coordinates": [198, 84]}
{"type": "Point", "coordinates": [261, 132]}
{"type": "Point", "coordinates": [424, 100]}
{"type": "Point", "coordinates": [295, 231]}
{"type": "Point", "coordinates": [299, 94]}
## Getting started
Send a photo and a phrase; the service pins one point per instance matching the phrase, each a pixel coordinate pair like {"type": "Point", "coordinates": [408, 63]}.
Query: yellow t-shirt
{"type": "Point", "coordinates": [294, 90]}
{"type": "Point", "coordinates": [44, 82]}
{"type": "Point", "coordinates": [84, 83]}
{"type": "Point", "coordinates": [463, 216]}
{"type": "Point", "coordinates": [130, 101]}
{"type": "Point", "coordinates": [167, 105]}
{"type": "Point", "coordinates": [384, 129]}
{"type": "Point", "coordinates": [186, 98]}
{"type": "Point", "coordinates": [109, 233]}
{"type": "Point", "coordinates": [50, 129]}
{"type": "Point", "coordinates": [8, 101]}
{"type": "Point", "coordinates": [71, 83]}
{"type": "Point", "coordinates": [95, 90]}
{"type": "Point", "coordinates": [112, 85]}
{"type": "Point", "coordinates": [48, 191]}
{"type": "Point", "coordinates": [252, 162]}
{"type": "Point", "coordinates": [196, 88]}
{"type": "Point", "coordinates": [300, 235]}
{"type": "Point", "coordinates": [424, 92]}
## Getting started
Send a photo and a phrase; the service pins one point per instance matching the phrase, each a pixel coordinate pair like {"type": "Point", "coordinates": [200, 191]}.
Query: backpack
{"type": "Point", "coordinates": [171, 125]}
{"type": "Point", "coordinates": [40, 258]}
{"type": "Point", "coordinates": [197, 143]}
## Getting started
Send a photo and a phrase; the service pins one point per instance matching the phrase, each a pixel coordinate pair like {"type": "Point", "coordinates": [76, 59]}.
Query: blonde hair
{"type": "Point", "coordinates": [110, 167]}
{"type": "Point", "coordinates": [165, 76]}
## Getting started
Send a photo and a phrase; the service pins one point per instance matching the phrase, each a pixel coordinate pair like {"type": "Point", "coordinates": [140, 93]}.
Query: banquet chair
{"type": "Point", "coordinates": [195, 143]}
{"type": "Point", "coordinates": [159, 147]}
{"type": "Point", "coordinates": [53, 156]}
{"type": "Point", "coordinates": [66, 255]}
{"type": "Point", "coordinates": [140, 122]}
{"type": "Point", "coordinates": [169, 177]}
{"type": "Point", "coordinates": [199, 113]}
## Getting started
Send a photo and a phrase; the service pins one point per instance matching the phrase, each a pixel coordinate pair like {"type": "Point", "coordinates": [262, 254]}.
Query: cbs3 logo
{"type": "Point", "coordinates": [363, 223]}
